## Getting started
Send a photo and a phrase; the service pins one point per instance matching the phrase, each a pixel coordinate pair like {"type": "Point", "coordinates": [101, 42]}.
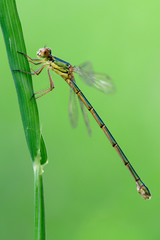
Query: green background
{"type": "Point", "coordinates": [89, 194]}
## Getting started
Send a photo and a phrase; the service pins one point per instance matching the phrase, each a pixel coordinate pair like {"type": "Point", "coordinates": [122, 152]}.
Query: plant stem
{"type": "Point", "coordinates": [14, 41]}
{"type": "Point", "coordinates": [39, 203]}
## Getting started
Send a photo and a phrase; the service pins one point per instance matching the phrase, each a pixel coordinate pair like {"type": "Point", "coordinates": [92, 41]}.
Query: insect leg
{"type": "Point", "coordinates": [46, 90]}
{"type": "Point", "coordinates": [28, 56]}
{"type": "Point", "coordinates": [35, 63]}
{"type": "Point", "coordinates": [36, 72]}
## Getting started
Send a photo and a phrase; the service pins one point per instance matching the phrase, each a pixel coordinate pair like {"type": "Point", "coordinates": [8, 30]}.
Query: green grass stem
{"type": "Point", "coordinates": [14, 41]}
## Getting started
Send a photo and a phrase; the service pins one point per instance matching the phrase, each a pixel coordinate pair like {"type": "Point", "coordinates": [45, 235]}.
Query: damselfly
{"type": "Point", "coordinates": [102, 82]}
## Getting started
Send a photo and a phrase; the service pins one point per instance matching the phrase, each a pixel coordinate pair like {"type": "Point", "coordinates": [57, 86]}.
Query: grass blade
{"type": "Point", "coordinates": [14, 41]}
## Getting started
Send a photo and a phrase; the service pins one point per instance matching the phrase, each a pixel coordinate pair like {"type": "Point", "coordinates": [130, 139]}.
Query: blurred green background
{"type": "Point", "coordinates": [89, 194]}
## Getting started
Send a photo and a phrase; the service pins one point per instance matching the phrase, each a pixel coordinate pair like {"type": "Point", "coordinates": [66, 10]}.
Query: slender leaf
{"type": "Point", "coordinates": [13, 36]}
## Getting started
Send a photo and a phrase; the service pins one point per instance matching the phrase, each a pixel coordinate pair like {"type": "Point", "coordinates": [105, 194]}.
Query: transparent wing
{"type": "Point", "coordinates": [85, 116]}
{"type": "Point", "coordinates": [100, 81]}
{"type": "Point", "coordinates": [73, 109]}
{"type": "Point", "coordinates": [103, 83]}
{"type": "Point", "coordinates": [85, 71]}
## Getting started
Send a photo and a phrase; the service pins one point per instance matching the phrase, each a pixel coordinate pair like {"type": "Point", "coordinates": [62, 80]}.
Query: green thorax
{"type": "Point", "coordinates": [61, 65]}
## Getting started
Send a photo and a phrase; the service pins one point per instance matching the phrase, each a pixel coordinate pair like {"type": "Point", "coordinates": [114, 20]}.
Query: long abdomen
{"type": "Point", "coordinates": [142, 189]}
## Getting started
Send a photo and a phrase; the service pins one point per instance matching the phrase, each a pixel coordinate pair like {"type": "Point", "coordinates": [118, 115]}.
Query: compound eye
{"type": "Point", "coordinates": [46, 52]}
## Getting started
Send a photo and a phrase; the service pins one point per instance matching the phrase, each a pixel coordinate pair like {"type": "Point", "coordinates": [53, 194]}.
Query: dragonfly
{"type": "Point", "coordinates": [100, 81]}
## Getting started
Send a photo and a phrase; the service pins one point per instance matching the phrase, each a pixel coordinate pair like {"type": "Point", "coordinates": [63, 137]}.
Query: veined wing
{"type": "Point", "coordinates": [85, 117]}
{"type": "Point", "coordinates": [73, 110]}
{"type": "Point", "coordinates": [85, 71]}
{"type": "Point", "coordinates": [100, 81]}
